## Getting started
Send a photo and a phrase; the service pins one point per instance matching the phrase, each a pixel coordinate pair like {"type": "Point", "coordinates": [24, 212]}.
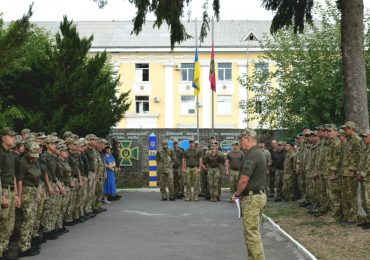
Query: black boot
{"type": "Point", "coordinates": [30, 252]}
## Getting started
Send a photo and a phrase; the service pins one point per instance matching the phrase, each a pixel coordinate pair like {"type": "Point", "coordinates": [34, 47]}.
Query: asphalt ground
{"type": "Point", "coordinates": [140, 227]}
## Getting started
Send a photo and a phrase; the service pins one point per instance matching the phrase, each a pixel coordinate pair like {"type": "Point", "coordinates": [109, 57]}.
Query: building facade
{"type": "Point", "coordinates": [160, 79]}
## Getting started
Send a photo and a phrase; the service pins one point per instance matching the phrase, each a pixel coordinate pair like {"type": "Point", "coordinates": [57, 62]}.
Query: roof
{"type": "Point", "coordinates": [112, 34]}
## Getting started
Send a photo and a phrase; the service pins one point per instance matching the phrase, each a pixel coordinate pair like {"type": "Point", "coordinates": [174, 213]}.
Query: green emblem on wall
{"type": "Point", "coordinates": [128, 154]}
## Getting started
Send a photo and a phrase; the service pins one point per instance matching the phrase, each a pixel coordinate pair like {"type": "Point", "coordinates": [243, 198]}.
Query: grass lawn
{"type": "Point", "coordinates": [322, 236]}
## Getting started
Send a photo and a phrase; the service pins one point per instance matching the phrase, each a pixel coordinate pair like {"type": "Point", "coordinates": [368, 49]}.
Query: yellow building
{"type": "Point", "coordinates": [160, 80]}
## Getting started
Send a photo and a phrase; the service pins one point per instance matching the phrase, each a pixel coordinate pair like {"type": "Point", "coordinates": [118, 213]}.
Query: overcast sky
{"type": "Point", "coordinates": [122, 10]}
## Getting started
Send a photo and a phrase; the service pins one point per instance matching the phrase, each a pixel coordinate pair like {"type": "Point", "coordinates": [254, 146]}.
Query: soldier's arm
{"type": "Point", "coordinates": [183, 163]}
{"type": "Point", "coordinates": [355, 158]}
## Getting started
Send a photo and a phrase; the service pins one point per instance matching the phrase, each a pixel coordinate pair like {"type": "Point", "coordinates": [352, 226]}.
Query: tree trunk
{"type": "Point", "coordinates": [355, 89]}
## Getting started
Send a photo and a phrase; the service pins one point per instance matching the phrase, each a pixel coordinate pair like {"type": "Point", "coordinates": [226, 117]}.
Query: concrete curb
{"type": "Point", "coordinates": [151, 190]}
{"type": "Point", "coordinates": [295, 243]}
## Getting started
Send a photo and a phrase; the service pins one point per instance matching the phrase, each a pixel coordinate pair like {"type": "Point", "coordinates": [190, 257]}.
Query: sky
{"type": "Point", "coordinates": [122, 10]}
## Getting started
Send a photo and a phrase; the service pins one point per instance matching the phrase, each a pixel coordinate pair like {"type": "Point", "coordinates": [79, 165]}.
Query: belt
{"type": "Point", "coordinates": [253, 192]}
{"type": "Point", "coordinates": [7, 187]}
{"type": "Point", "coordinates": [235, 170]}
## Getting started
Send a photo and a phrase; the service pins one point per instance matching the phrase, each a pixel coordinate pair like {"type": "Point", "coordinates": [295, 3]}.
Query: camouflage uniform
{"type": "Point", "coordinates": [332, 162]}
{"type": "Point", "coordinates": [289, 176]}
{"type": "Point", "coordinates": [178, 178]}
{"type": "Point", "coordinates": [322, 181]}
{"type": "Point", "coordinates": [192, 158]}
{"type": "Point", "coordinates": [100, 175]}
{"type": "Point", "coordinates": [364, 171]}
{"type": "Point", "coordinates": [214, 163]}
{"type": "Point", "coordinates": [165, 158]}
{"type": "Point", "coordinates": [311, 177]}
{"type": "Point", "coordinates": [351, 158]}
{"type": "Point", "coordinates": [301, 162]}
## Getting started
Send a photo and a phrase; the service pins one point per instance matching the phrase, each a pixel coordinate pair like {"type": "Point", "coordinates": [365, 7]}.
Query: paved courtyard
{"type": "Point", "coordinates": [140, 226]}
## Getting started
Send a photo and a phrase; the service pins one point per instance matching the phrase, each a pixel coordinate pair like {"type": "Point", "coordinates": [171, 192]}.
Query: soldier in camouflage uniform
{"type": "Point", "coordinates": [351, 158]}
{"type": "Point", "coordinates": [321, 169]}
{"type": "Point", "coordinates": [165, 158]}
{"type": "Point", "coordinates": [64, 174]}
{"type": "Point", "coordinates": [234, 161]}
{"type": "Point", "coordinates": [48, 161]}
{"type": "Point", "coordinates": [214, 161]}
{"type": "Point", "coordinates": [10, 198]}
{"type": "Point", "coordinates": [289, 173]}
{"type": "Point", "coordinates": [364, 177]}
{"type": "Point", "coordinates": [178, 178]}
{"type": "Point", "coordinates": [332, 165]}
{"type": "Point", "coordinates": [100, 174]}
{"type": "Point", "coordinates": [192, 162]}
{"type": "Point", "coordinates": [93, 169]}
{"type": "Point", "coordinates": [311, 172]}
{"type": "Point", "coordinates": [301, 162]}
{"type": "Point", "coordinates": [28, 178]}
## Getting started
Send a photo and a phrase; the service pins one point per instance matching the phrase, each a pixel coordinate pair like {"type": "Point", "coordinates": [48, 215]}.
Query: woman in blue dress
{"type": "Point", "coordinates": [110, 181]}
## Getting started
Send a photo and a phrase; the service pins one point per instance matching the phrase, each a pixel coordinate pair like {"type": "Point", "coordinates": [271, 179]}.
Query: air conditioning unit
{"type": "Point", "coordinates": [156, 99]}
{"type": "Point", "coordinates": [177, 67]}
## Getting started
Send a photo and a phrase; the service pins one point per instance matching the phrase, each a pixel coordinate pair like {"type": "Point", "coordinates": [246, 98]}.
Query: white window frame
{"type": "Point", "coordinates": [139, 72]}
{"type": "Point", "coordinates": [189, 69]}
{"type": "Point", "coordinates": [139, 105]}
{"type": "Point", "coordinates": [224, 105]}
{"type": "Point", "coordinates": [187, 105]}
{"type": "Point", "coordinates": [221, 75]}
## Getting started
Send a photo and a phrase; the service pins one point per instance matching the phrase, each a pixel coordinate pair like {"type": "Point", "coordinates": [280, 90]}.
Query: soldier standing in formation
{"type": "Point", "coordinates": [192, 163]}
{"type": "Point", "coordinates": [234, 161]}
{"type": "Point", "coordinates": [52, 189]}
{"type": "Point", "coordinates": [165, 158]}
{"type": "Point", "coordinates": [214, 162]}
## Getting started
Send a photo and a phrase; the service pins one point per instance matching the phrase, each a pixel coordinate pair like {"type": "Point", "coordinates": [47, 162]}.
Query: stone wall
{"type": "Point", "coordinates": [137, 174]}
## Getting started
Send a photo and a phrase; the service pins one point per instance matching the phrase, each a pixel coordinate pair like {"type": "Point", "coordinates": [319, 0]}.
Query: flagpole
{"type": "Point", "coordinates": [197, 99]}
{"type": "Point", "coordinates": [213, 107]}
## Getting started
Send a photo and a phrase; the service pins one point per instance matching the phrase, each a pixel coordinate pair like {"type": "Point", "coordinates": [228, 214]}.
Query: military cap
{"type": "Point", "coordinates": [91, 137]}
{"type": "Point", "coordinates": [51, 139]}
{"type": "Point", "coordinates": [33, 149]}
{"type": "Point", "coordinates": [62, 146]}
{"type": "Point", "coordinates": [235, 143]}
{"type": "Point", "coordinates": [25, 131]}
{"type": "Point", "coordinates": [320, 127]}
{"type": "Point", "coordinates": [212, 137]}
{"type": "Point", "coordinates": [216, 142]}
{"type": "Point", "coordinates": [60, 141]}
{"type": "Point", "coordinates": [54, 133]}
{"type": "Point", "coordinates": [164, 142]}
{"type": "Point", "coordinates": [248, 132]}
{"type": "Point", "coordinates": [191, 140]}
{"type": "Point", "coordinates": [330, 127]}
{"type": "Point", "coordinates": [280, 143]}
{"type": "Point", "coordinates": [341, 132]}
{"type": "Point", "coordinates": [74, 136]}
{"type": "Point", "coordinates": [7, 131]}
{"type": "Point", "coordinates": [291, 143]}
{"type": "Point", "coordinates": [205, 148]}
{"type": "Point", "coordinates": [32, 135]}
{"type": "Point", "coordinates": [71, 141]}
{"type": "Point", "coordinates": [313, 132]}
{"type": "Point", "coordinates": [81, 142]}
{"type": "Point", "coordinates": [196, 142]}
{"type": "Point", "coordinates": [103, 141]}
{"type": "Point", "coordinates": [349, 124]}
{"type": "Point", "coordinates": [365, 132]}
{"type": "Point", "coordinates": [67, 134]}
{"type": "Point", "coordinates": [41, 135]}
{"type": "Point", "coordinates": [175, 141]}
{"type": "Point", "coordinates": [19, 140]}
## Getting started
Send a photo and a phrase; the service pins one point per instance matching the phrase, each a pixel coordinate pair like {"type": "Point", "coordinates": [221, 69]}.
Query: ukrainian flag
{"type": "Point", "coordinates": [196, 80]}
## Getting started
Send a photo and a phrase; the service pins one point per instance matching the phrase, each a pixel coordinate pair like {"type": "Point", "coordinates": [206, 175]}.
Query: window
{"type": "Point", "coordinates": [187, 105]}
{"type": "Point", "coordinates": [141, 72]}
{"type": "Point", "coordinates": [262, 67]}
{"type": "Point", "coordinates": [258, 107]}
{"type": "Point", "coordinates": [224, 71]}
{"type": "Point", "coordinates": [187, 71]}
{"type": "Point", "coordinates": [142, 104]}
{"type": "Point", "coordinates": [224, 105]}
